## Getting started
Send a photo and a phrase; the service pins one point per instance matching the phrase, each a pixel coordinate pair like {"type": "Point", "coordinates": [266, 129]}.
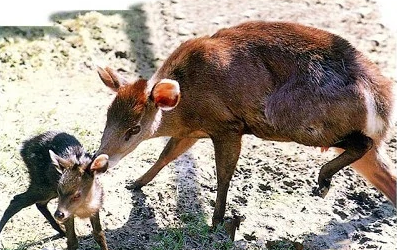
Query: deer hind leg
{"type": "Point", "coordinates": [355, 146]}
{"type": "Point", "coordinates": [19, 202]}
{"type": "Point", "coordinates": [374, 166]}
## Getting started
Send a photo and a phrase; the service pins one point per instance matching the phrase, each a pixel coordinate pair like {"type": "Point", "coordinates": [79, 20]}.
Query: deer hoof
{"type": "Point", "coordinates": [233, 224]}
{"type": "Point", "coordinates": [321, 192]}
{"type": "Point", "coordinates": [323, 188]}
{"type": "Point", "coordinates": [135, 186]}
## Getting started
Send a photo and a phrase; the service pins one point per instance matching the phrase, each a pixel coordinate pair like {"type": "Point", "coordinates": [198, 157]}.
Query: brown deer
{"type": "Point", "coordinates": [72, 180]}
{"type": "Point", "coordinates": [278, 81]}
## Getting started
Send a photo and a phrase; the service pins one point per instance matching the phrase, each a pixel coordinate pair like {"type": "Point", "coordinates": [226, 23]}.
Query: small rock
{"type": "Point", "coordinates": [250, 13]}
{"type": "Point", "coordinates": [374, 43]}
{"type": "Point", "coordinates": [182, 31]}
{"type": "Point", "coordinates": [179, 15]}
{"type": "Point", "coordinates": [241, 200]}
{"type": "Point", "coordinates": [271, 229]}
{"type": "Point", "coordinates": [121, 54]}
{"type": "Point", "coordinates": [364, 239]}
{"type": "Point", "coordinates": [250, 237]}
{"type": "Point", "coordinates": [218, 20]}
{"type": "Point", "coordinates": [105, 50]}
{"type": "Point", "coordinates": [289, 183]}
{"type": "Point", "coordinates": [379, 214]}
{"type": "Point", "coordinates": [264, 187]}
{"type": "Point", "coordinates": [341, 214]}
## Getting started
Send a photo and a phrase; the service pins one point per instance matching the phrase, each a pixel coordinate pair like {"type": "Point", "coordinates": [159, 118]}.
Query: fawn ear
{"type": "Point", "coordinates": [100, 164]}
{"type": "Point", "coordinates": [166, 94]}
{"type": "Point", "coordinates": [111, 78]}
{"type": "Point", "coordinates": [59, 163]}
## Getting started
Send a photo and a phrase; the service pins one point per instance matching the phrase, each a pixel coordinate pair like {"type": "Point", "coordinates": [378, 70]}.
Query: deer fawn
{"type": "Point", "coordinates": [278, 81]}
{"type": "Point", "coordinates": [58, 166]}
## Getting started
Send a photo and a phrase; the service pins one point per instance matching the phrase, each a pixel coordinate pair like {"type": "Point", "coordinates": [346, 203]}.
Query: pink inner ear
{"type": "Point", "coordinates": [100, 164]}
{"type": "Point", "coordinates": [166, 95]}
{"type": "Point", "coordinates": [165, 101]}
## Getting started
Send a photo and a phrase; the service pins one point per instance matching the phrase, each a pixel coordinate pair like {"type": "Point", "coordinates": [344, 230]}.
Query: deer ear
{"type": "Point", "coordinates": [100, 164]}
{"type": "Point", "coordinates": [59, 163]}
{"type": "Point", "coordinates": [111, 78]}
{"type": "Point", "coordinates": [166, 94]}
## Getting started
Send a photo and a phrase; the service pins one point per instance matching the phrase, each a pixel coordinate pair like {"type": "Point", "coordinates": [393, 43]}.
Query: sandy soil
{"type": "Point", "coordinates": [48, 81]}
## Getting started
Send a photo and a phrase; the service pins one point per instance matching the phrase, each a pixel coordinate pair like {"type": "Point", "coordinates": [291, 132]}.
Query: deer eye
{"type": "Point", "coordinates": [132, 131]}
{"type": "Point", "coordinates": [76, 196]}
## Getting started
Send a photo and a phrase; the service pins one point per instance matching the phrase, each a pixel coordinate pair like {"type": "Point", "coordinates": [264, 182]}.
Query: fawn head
{"type": "Point", "coordinates": [78, 192]}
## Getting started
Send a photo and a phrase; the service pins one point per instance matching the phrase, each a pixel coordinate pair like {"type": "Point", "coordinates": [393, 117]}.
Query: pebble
{"type": "Point", "coordinates": [179, 15]}
{"type": "Point", "coordinates": [183, 31]}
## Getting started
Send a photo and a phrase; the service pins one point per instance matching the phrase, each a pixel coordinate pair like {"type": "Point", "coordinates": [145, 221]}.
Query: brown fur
{"type": "Point", "coordinates": [278, 81]}
{"type": "Point", "coordinates": [130, 102]}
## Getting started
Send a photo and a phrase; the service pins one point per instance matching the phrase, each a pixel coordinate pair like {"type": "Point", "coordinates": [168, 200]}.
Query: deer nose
{"type": "Point", "coordinates": [59, 215]}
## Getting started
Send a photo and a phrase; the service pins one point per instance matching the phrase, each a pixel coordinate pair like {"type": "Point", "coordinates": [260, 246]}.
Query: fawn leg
{"type": "Point", "coordinates": [97, 232]}
{"type": "Point", "coordinates": [42, 207]}
{"type": "Point", "coordinates": [71, 239]}
{"type": "Point", "coordinates": [227, 152]}
{"type": "Point", "coordinates": [174, 148]}
{"type": "Point", "coordinates": [19, 202]}
{"type": "Point", "coordinates": [355, 146]}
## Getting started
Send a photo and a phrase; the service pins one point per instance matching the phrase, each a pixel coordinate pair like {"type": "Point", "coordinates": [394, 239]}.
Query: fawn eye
{"type": "Point", "coordinates": [76, 196]}
{"type": "Point", "coordinates": [132, 131]}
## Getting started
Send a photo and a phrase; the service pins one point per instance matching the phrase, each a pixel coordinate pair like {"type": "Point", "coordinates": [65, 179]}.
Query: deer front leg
{"type": "Point", "coordinates": [227, 152]}
{"type": "Point", "coordinates": [355, 146]}
{"type": "Point", "coordinates": [97, 231]}
{"type": "Point", "coordinates": [174, 148]}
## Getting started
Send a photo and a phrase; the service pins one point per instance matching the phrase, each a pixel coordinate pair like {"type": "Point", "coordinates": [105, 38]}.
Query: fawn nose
{"type": "Point", "coordinates": [59, 215]}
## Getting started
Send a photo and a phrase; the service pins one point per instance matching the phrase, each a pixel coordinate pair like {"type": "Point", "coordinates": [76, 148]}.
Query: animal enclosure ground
{"type": "Point", "coordinates": [48, 81]}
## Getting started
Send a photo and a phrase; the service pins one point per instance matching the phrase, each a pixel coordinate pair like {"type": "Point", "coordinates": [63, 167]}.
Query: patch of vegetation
{"type": "Point", "coordinates": [193, 233]}
{"type": "Point", "coordinates": [284, 244]}
{"type": "Point", "coordinates": [20, 246]}
{"type": "Point", "coordinates": [86, 137]}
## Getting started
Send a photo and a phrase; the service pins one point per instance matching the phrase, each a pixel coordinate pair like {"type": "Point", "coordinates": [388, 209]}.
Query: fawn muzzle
{"type": "Point", "coordinates": [60, 216]}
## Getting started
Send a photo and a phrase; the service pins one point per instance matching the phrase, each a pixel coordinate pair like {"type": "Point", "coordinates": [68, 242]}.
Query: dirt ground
{"type": "Point", "coordinates": [48, 81]}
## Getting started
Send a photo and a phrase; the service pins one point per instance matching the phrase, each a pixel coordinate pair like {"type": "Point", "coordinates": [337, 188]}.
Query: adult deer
{"type": "Point", "coordinates": [278, 81]}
